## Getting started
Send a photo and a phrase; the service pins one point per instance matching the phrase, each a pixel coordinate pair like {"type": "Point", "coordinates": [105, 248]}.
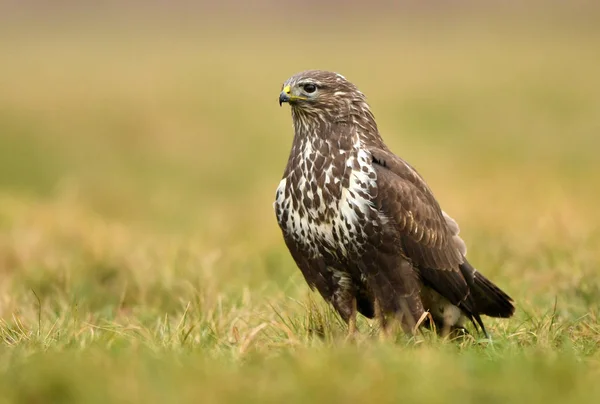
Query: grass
{"type": "Point", "coordinates": [140, 260]}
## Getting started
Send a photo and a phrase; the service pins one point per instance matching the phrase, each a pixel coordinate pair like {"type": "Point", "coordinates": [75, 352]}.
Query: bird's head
{"type": "Point", "coordinates": [323, 102]}
{"type": "Point", "coordinates": [319, 91]}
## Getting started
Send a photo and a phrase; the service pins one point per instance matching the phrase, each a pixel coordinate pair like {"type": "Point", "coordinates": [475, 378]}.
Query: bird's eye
{"type": "Point", "coordinates": [310, 88]}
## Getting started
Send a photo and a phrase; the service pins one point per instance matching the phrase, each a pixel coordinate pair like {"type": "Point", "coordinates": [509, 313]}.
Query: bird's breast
{"type": "Point", "coordinates": [328, 205]}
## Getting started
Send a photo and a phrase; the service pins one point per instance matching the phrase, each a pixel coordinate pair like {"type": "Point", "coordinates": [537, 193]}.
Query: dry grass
{"type": "Point", "coordinates": [139, 256]}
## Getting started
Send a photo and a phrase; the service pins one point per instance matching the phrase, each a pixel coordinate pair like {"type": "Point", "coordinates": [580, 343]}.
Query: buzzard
{"type": "Point", "coordinates": [363, 226]}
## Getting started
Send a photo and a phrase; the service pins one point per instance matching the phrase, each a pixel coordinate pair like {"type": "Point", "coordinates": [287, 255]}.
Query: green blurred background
{"type": "Point", "coordinates": [141, 144]}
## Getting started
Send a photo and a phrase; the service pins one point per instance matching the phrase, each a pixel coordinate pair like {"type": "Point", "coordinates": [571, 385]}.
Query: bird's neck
{"type": "Point", "coordinates": [322, 142]}
{"type": "Point", "coordinates": [352, 123]}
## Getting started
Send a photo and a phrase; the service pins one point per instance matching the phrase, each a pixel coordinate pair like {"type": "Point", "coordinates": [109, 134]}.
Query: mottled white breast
{"type": "Point", "coordinates": [335, 224]}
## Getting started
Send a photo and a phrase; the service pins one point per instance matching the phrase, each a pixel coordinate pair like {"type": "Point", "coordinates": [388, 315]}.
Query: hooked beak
{"type": "Point", "coordinates": [285, 95]}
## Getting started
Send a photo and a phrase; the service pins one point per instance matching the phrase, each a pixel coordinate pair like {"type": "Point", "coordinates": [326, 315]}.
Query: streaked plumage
{"type": "Point", "coordinates": [362, 225]}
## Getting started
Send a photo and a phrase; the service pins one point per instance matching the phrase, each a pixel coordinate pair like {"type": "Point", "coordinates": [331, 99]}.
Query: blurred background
{"type": "Point", "coordinates": [141, 142]}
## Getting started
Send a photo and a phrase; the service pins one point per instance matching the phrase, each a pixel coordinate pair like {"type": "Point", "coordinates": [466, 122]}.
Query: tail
{"type": "Point", "coordinates": [485, 297]}
{"type": "Point", "coordinates": [489, 299]}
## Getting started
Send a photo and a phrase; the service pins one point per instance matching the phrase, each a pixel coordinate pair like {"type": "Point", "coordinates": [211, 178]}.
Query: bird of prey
{"type": "Point", "coordinates": [363, 226]}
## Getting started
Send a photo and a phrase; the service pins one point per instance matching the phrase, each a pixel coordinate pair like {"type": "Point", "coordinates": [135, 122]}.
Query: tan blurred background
{"type": "Point", "coordinates": [141, 143]}
{"type": "Point", "coordinates": [162, 117]}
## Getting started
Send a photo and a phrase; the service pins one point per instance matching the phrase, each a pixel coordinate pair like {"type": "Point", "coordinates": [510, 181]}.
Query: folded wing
{"type": "Point", "coordinates": [429, 240]}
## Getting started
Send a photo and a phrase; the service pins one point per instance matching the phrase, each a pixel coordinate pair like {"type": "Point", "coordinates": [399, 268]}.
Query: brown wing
{"type": "Point", "coordinates": [426, 239]}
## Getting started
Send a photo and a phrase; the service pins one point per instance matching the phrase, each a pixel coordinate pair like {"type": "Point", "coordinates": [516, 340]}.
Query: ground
{"type": "Point", "coordinates": [140, 259]}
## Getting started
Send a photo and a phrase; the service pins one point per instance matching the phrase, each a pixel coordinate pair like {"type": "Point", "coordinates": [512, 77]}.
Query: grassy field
{"type": "Point", "coordinates": [140, 260]}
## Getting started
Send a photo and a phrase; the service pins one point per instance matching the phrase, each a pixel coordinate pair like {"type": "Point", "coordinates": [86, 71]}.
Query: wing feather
{"type": "Point", "coordinates": [427, 234]}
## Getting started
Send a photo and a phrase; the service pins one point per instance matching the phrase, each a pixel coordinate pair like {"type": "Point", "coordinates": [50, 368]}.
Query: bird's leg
{"type": "Point", "coordinates": [352, 318]}
{"type": "Point", "coordinates": [380, 317]}
{"type": "Point", "coordinates": [407, 318]}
